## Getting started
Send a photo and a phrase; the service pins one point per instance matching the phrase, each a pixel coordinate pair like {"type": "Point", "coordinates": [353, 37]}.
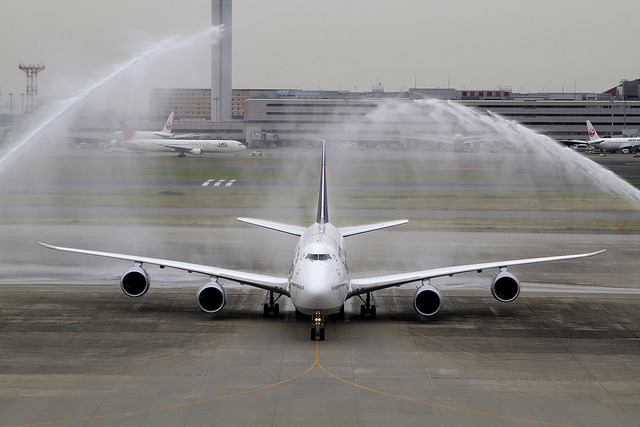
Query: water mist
{"type": "Point", "coordinates": [61, 108]}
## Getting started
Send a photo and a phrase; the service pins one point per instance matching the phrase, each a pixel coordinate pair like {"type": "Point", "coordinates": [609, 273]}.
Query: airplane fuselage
{"type": "Point", "coordinates": [319, 274]}
{"type": "Point", "coordinates": [189, 146]}
{"type": "Point", "coordinates": [616, 143]}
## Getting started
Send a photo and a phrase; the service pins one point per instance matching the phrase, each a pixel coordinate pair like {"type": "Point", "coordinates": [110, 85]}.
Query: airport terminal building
{"type": "Point", "coordinates": [265, 117]}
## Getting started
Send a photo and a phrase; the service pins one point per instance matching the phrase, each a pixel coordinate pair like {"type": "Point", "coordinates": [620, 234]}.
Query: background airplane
{"type": "Point", "coordinates": [617, 143]}
{"type": "Point", "coordinates": [167, 141]}
{"type": "Point", "coordinates": [319, 280]}
{"type": "Point", "coordinates": [186, 146]}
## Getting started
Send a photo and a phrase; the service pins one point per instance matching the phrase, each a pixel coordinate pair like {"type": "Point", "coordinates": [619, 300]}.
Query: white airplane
{"type": "Point", "coordinates": [167, 141]}
{"type": "Point", "coordinates": [319, 280]}
{"type": "Point", "coordinates": [609, 143]}
{"type": "Point", "coordinates": [186, 146]}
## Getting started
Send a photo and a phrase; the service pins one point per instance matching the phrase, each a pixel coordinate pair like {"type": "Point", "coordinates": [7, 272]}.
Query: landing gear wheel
{"type": "Point", "coordinates": [271, 308]}
{"type": "Point", "coordinates": [268, 310]}
{"type": "Point", "coordinates": [317, 336]}
{"type": "Point", "coordinates": [367, 309]}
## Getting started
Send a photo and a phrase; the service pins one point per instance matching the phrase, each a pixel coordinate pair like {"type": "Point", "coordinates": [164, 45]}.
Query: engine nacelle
{"type": "Point", "coordinates": [135, 281]}
{"type": "Point", "coordinates": [196, 151]}
{"type": "Point", "coordinates": [427, 300]}
{"type": "Point", "coordinates": [505, 287]}
{"type": "Point", "coordinates": [211, 297]}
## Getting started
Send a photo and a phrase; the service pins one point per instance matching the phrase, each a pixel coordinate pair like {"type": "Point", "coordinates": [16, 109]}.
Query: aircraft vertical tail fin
{"type": "Point", "coordinates": [323, 209]}
{"type": "Point", "coordinates": [127, 132]}
{"type": "Point", "coordinates": [593, 135]}
{"type": "Point", "coordinates": [168, 125]}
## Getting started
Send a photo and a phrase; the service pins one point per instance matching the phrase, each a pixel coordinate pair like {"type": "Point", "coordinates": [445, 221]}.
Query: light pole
{"type": "Point", "coordinates": [11, 102]}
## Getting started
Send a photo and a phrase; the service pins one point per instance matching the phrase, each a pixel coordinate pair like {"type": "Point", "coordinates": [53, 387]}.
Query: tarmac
{"type": "Point", "coordinates": [75, 351]}
{"type": "Point", "coordinates": [88, 355]}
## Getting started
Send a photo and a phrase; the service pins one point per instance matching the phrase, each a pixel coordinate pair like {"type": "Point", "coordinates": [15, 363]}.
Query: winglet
{"type": "Point", "coordinates": [323, 209]}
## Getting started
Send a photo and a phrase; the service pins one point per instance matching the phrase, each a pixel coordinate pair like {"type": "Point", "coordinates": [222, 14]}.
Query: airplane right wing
{"type": "Point", "coordinates": [270, 283]}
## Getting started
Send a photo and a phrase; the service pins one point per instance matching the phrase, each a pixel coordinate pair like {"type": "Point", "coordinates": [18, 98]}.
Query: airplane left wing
{"type": "Point", "coordinates": [370, 284]}
{"type": "Point", "coordinates": [270, 283]}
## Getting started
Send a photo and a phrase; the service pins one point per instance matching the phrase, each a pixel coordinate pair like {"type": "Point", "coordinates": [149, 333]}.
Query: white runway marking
{"type": "Point", "coordinates": [218, 182]}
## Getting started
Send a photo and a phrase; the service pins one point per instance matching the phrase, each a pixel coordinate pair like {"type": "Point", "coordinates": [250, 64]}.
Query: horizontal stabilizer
{"type": "Point", "coordinates": [359, 229]}
{"type": "Point", "coordinates": [295, 230]}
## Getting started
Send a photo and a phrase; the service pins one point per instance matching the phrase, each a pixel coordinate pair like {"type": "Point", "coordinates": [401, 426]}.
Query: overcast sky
{"type": "Point", "coordinates": [529, 45]}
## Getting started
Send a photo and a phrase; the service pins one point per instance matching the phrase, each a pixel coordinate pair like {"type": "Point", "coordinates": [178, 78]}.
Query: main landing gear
{"type": "Point", "coordinates": [272, 308]}
{"type": "Point", "coordinates": [317, 329]}
{"type": "Point", "coordinates": [367, 309]}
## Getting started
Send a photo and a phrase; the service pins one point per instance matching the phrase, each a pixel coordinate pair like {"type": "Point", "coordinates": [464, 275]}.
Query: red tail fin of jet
{"type": "Point", "coordinates": [127, 132]}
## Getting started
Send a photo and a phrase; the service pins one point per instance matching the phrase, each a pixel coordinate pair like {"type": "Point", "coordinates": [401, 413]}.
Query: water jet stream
{"type": "Point", "coordinates": [422, 119]}
{"type": "Point", "coordinates": [66, 105]}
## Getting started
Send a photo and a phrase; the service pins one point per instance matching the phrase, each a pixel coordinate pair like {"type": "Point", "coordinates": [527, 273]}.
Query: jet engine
{"type": "Point", "coordinates": [505, 287]}
{"type": "Point", "coordinates": [427, 300]}
{"type": "Point", "coordinates": [135, 281]}
{"type": "Point", "coordinates": [211, 296]}
{"type": "Point", "coordinates": [196, 151]}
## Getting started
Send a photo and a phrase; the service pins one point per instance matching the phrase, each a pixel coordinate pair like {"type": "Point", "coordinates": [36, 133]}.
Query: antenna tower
{"type": "Point", "coordinates": [32, 83]}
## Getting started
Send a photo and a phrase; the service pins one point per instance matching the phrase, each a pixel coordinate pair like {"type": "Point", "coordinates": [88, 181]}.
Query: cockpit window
{"type": "Point", "coordinates": [318, 257]}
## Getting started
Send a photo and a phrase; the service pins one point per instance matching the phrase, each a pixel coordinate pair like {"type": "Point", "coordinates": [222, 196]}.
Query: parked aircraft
{"type": "Point", "coordinates": [319, 280]}
{"type": "Point", "coordinates": [164, 140]}
{"type": "Point", "coordinates": [617, 143]}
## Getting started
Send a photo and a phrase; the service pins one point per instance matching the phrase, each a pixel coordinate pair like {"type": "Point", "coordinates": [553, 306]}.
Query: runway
{"type": "Point", "coordinates": [76, 351]}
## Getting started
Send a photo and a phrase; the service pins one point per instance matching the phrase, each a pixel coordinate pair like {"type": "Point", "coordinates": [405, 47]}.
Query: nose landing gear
{"type": "Point", "coordinates": [317, 329]}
